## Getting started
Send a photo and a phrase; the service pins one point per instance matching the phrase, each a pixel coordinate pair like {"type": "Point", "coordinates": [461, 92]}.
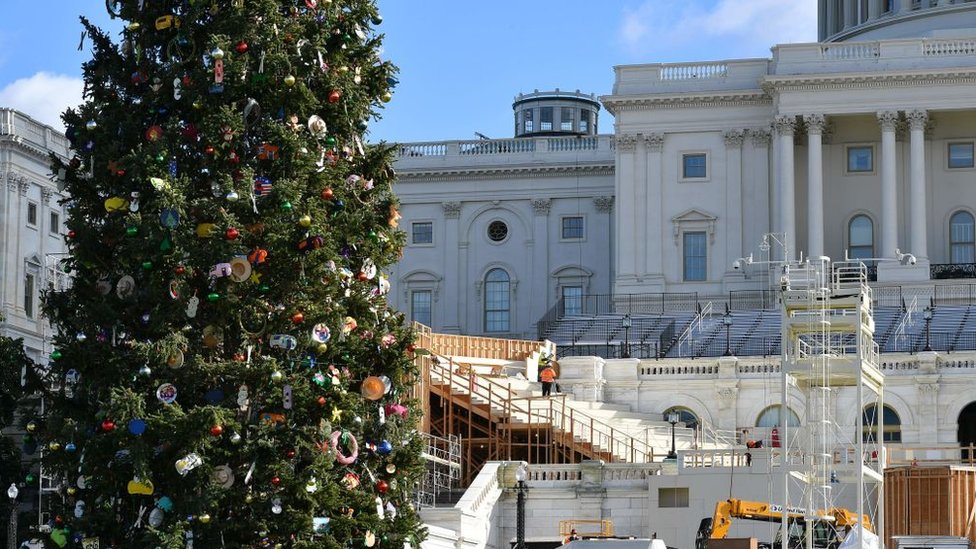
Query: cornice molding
{"type": "Point", "coordinates": [503, 172]}
{"type": "Point", "coordinates": [775, 84]}
{"type": "Point", "coordinates": [732, 98]}
{"type": "Point", "coordinates": [43, 155]}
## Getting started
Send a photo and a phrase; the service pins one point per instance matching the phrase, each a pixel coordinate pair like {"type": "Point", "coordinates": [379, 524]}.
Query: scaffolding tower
{"type": "Point", "coordinates": [442, 457]}
{"type": "Point", "coordinates": [828, 344]}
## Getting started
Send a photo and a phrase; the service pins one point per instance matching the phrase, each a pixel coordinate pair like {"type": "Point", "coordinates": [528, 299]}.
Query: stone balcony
{"type": "Point", "coordinates": [22, 129]}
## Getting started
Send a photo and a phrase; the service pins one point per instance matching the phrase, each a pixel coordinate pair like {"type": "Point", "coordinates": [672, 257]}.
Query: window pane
{"type": "Point", "coordinates": [961, 238]}
{"type": "Point", "coordinates": [672, 497]}
{"type": "Point", "coordinates": [420, 307]}
{"type": "Point", "coordinates": [584, 122]}
{"type": "Point", "coordinates": [572, 227]}
{"type": "Point", "coordinates": [496, 301]}
{"type": "Point", "coordinates": [693, 165]}
{"type": "Point", "coordinates": [770, 417]}
{"type": "Point", "coordinates": [694, 256]}
{"type": "Point", "coordinates": [545, 119]}
{"type": "Point", "coordinates": [860, 159]}
{"type": "Point", "coordinates": [566, 119]}
{"type": "Point", "coordinates": [572, 300]}
{"type": "Point", "coordinates": [423, 233]}
{"type": "Point", "coordinates": [860, 238]}
{"type": "Point", "coordinates": [960, 155]}
{"type": "Point", "coordinates": [29, 295]}
{"type": "Point", "coordinates": [31, 214]}
{"type": "Point", "coordinates": [55, 223]}
{"type": "Point", "coordinates": [527, 118]}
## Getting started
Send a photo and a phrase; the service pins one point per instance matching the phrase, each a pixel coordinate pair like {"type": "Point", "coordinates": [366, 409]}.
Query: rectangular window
{"type": "Point", "coordinates": [29, 295]}
{"type": "Point", "coordinates": [584, 124]}
{"type": "Point", "coordinates": [572, 300]}
{"type": "Point", "coordinates": [566, 119]}
{"type": "Point", "coordinates": [55, 227]}
{"type": "Point", "coordinates": [695, 260]}
{"type": "Point", "coordinates": [545, 119]}
{"type": "Point", "coordinates": [573, 228]}
{"type": "Point", "coordinates": [422, 232]}
{"type": "Point", "coordinates": [672, 497]}
{"type": "Point", "coordinates": [32, 214]}
{"type": "Point", "coordinates": [889, 5]}
{"type": "Point", "coordinates": [527, 120]}
{"type": "Point", "coordinates": [694, 166]}
{"type": "Point", "coordinates": [860, 159]}
{"type": "Point", "coordinates": [420, 309]}
{"type": "Point", "coordinates": [960, 155]}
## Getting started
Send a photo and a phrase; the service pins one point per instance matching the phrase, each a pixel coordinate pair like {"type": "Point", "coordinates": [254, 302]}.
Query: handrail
{"type": "Point", "coordinates": [906, 321]}
{"type": "Point", "coordinates": [574, 422]}
{"type": "Point", "coordinates": [697, 321]}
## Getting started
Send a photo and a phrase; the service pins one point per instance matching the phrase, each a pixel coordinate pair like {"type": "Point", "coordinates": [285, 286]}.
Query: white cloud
{"type": "Point", "coordinates": [671, 30]}
{"type": "Point", "coordinates": [43, 96]}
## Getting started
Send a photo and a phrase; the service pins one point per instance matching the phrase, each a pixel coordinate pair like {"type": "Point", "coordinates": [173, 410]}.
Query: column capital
{"type": "Point", "coordinates": [888, 120]}
{"type": "Point", "coordinates": [734, 138]}
{"type": "Point", "coordinates": [626, 142]}
{"type": "Point", "coordinates": [603, 204]}
{"type": "Point", "coordinates": [541, 206]}
{"type": "Point", "coordinates": [654, 141]}
{"type": "Point", "coordinates": [815, 123]}
{"type": "Point", "coordinates": [46, 195]}
{"type": "Point", "coordinates": [24, 184]}
{"type": "Point", "coordinates": [452, 210]}
{"type": "Point", "coordinates": [785, 124]}
{"type": "Point", "coordinates": [760, 137]}
{"type": "Point", "coordinates": [917, 119]}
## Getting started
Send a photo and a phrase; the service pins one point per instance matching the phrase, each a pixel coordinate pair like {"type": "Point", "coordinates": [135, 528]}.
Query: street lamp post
{"type": "Point", "coordinates": [12, 493]}
{"type": "Point", "coordinates": [927, 315]}
{"type": "Point", "coordinates": [520, 490]}
{"type": "Point", "coordinates": [727, 320]}
{"type": "Point", "coordinates": [673, 418]}
{"type": "Point", "coordinates": [626, 323]}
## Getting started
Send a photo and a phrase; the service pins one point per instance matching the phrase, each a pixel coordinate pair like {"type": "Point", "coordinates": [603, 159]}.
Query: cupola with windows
{"type": "Point", "coordinates": [555, 113]}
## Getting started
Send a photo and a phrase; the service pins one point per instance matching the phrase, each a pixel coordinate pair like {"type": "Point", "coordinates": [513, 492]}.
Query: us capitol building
{"type": "Point", "coordinates": [655, 256]}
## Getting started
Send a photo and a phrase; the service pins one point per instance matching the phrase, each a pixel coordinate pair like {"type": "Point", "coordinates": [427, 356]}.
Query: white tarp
{"type": "Point", "coordinates": [855, 541]}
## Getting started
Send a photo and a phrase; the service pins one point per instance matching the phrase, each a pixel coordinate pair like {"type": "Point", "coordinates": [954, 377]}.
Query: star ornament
{"type": "Point", "coordinates": [336, 414]}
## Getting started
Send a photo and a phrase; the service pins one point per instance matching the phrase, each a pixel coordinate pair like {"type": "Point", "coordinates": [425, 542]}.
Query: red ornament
{"type": "Point", "coordinates": [297, 318]}
{"type": "Point", "coordinates": [108, 425]}
{"type": "Point", "coordinates": [334, 96]}
{"type": "Point", "coordinates": [327, 193]}
{"type": "Point", "coordinates": [241, 47]}
{"type": "Point", "coordinates": [276, 480]}
{"type": "Point", "coordinates": [290, 454]}
{"type": "Point", "coordinates": [72, 234]}
{"type": "Point", "coordinates": [154, 133]}
{"type": "Point", "coordinates": [382, 486]}
{"type": "Point", "coordinates": [180, 269]}
{"type": "Point", "coordinates": [361, 276]}
{"type": "Point", "coordinates": [209, 150]}
{"type": "Point", "coordinates": [321, 401]}
{"type": "Point", "coordinates": [58, 520]}
{"type": "Point", "coordinates": [187, 80]}
{"type": "Point", "coordinates": [232, 233]}
{"type": "Point", "coordinates": [217, 430]}
{"type": "Point", "coordinates": [232, 158]}
{"type": "Point", "coordinates": [411, 348]}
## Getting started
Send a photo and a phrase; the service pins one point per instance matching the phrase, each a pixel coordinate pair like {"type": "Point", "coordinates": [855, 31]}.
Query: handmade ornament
{"type": "Point", "coordinates": [350, 481]}
{"type": "Point", "coordinates": [223, 476]}
{"type": "Point", "coordinates": [166, 393]}
{"type": "Point", "coordinates": [140, 487]}
{"type": "Point", "coordinates": [240, 269]}
{"type": "Point", "coordinates": [321, 333]}
{"type": "Point", "coordinates": [188, 463]}
{"type": "Point", "coordinates": [350, 440]}
{"type": "Point", "coordinates": [373, 388]}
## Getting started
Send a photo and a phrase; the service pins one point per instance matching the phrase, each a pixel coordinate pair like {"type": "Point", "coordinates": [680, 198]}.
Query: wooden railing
{"type": "Point", "coordinates": [481, 347]}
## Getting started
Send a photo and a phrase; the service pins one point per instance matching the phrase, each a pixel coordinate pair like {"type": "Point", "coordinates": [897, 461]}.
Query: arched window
{"type": "Point", "coordinates": [860, 237]}
{"type": "Point", "coordinates": [962, 240]}
{"type": "Point", "coordinates": [770, 417]}
{"type": "Point", "coordinates": [685, 416]}
{"type": "Point", "coordinates": [892, 424]}
{"type": "Point", "coordinates": [497, 303]}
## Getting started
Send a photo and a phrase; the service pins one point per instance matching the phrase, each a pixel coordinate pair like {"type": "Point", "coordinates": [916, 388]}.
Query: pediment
{"type": "Point", "coordinates": [693, 220]}
{"type": "Point", "coordinates": [693, 215]}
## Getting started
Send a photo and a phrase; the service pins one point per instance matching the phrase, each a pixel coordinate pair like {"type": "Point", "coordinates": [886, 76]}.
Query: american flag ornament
{"type": "Point", "coordinates": [262, 186]}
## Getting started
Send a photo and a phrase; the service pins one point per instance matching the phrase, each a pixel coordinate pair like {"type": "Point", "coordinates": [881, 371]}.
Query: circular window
{"type": "Point", "coordinates": [497, 231]}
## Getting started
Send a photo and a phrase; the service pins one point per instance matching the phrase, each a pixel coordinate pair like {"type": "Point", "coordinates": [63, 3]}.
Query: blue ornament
{"type": "Point", "coordinates": [214, 396]}
{"type": "Point", "coordinates": [384, 447]}
{"type": "Point", "coordinates": [70, 447]}
{"type": "Point", "coordinates": [137, 426]}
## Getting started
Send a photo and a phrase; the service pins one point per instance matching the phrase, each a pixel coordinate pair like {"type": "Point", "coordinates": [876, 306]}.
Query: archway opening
{"type": "Point", "coordinates": [967, 430]}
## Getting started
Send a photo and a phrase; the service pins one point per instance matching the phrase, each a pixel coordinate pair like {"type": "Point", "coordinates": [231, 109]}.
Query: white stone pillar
{"type": "Point", "coordinates": [654, 228]}
{"type": "Point", "coordinates": [640, 211]}
{"type": "Point", "coordinates": [917, 120]}
{"type": "Point", "coordinates": [733, 195]}
{"type": "Point", "coordinates": [454, 271]}
{"type": "Point", "coordinates": [538, 280]}
{"type": "Point", "coordinates": [760, 196]}
{"type": "Point", "coordinates": [889, 187]}
{"type": "Point", "coordinates": [626, 237]}
{"type": "Point", "coordinates": [785, 126]}
{"type": "Point", "coordinates": [815, 211]}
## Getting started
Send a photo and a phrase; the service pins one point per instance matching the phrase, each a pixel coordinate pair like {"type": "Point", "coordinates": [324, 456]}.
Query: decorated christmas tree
{"type": "Point", "coordinates": [228, 371]}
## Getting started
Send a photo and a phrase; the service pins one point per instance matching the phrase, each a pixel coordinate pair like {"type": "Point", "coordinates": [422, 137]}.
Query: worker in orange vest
{"type": "Point", "coordinates": [547, 376]}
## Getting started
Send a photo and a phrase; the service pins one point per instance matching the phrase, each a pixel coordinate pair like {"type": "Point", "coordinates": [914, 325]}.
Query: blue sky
{"type": "Point", "coordinates": [461, 62]}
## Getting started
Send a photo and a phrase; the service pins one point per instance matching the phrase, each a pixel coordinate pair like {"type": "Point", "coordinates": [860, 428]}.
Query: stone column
{"type": "Point", "coordinates": [626, 237]}
{"type": "Point", "coordinates": [785, 126]}
{"type": "Point", "coordinates": [733, 195]}
{"type": "Point", "coordinates": [454, 271]}
{"type": "Point", "coordinates": [539, 279]}
{"type": "Point", "coordinates": [640, 211]}
{"type": "Point", "coordinates": [654, 228]}
{"type": "Point", "coordinates": [760, 193]}
{"type": "Point", "coordinates": [889, 188]}
{"type": "Point", "coordinates": [815, 208]}
{"type": "Point", "coordinates": [917, 120]}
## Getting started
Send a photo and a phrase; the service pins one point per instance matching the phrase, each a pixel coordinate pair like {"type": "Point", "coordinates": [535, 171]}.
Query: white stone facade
{"type": "Point", "coordinates": [31, 227]}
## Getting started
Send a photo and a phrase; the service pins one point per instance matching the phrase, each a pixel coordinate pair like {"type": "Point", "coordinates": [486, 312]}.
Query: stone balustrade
{"type": "Point", "coordinates": [515, 151]}
{"type": "Point", "coordinates": [30, 132]}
